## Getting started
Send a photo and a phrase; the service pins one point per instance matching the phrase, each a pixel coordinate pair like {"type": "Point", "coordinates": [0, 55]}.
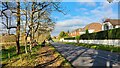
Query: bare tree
{"type": "Point", "coordinates": [18, 28]}
{"type": "Point", "coordinates": [12, 8]}
{"type": "Point", "coordinates": [37, 17]}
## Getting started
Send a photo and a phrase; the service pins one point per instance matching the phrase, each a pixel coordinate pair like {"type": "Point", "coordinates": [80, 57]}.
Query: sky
{"type": "Point", "coordinates": [79, 14]}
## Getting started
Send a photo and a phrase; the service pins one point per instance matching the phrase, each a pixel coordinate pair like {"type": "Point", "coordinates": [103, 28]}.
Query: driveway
{"type": "Point", "coordinates": [81, 56]}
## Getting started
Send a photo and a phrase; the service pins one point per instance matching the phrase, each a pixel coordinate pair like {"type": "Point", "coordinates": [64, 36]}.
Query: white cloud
{"type": "Point", "coordinates": [81, 9]}
{"type": "Point", "coordinates": [86, 13]}
{"type": "Point", "coordinates": [83, 0]}
{"type": "Point", "coordinates": [104, 11]}
{"type": "Point", "coordinates": [88, 0]}
{"type": "Point", "coordinates": [71, 24]}
{"type": "Point", "coordinates": [92, 3]}
{"type": "Point", "coordinates": [66, 25]}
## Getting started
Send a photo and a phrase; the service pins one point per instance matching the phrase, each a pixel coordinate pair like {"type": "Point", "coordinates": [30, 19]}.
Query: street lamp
{"type": "Point", "coordinates": [109, 1]}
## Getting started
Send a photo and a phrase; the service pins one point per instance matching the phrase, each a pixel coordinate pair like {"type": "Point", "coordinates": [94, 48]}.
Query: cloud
{"type": "Point", "coordinates": [88, 0]}
{"type": "Point", "coordinates": [105, 10]}
{"type": "Point", "coordinates": [80, 9]}
{"type": "Point", "coordinates": [92, 3]}
{"type": "Point", "coordinates": [83, 0]}
{"type": "Point", "coordinates": [66, 25]}
{"type": "Point", "coordinates": [70, 24]}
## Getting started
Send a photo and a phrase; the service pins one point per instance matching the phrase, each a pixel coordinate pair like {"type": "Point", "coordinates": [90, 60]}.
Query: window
{"type": "Point", "coordinates": [106, 27]}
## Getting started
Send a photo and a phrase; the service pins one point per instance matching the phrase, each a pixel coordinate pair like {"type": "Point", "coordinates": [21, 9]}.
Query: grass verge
{"type": "Point", "coordinates": [111, 48]}
{"type": "Point", "coordinates": [40, 57]}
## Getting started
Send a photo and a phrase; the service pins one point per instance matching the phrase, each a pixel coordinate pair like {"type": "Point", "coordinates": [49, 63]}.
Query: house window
{"type": "Point", "coordinates": [106, 27]}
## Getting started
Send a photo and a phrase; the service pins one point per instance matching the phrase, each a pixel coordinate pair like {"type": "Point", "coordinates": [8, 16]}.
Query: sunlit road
{"type": "Point", "coordinates": [81, 56]}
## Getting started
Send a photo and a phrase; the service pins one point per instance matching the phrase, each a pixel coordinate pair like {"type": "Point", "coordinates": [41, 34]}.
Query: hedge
{"type": "Point", "coordinates": [107, 34]}
{"type": "Point", "coordinates": [69, 38]}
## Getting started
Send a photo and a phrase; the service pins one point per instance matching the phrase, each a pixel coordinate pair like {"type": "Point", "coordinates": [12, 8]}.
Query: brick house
{"type": "Point", "coordinates": [75, 32]}
{"type": "Point", "coordinates": [93, 27]}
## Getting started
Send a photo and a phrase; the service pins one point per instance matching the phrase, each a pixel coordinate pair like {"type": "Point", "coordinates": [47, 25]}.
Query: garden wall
{"type": "Point", "coordinates": [104, 42]}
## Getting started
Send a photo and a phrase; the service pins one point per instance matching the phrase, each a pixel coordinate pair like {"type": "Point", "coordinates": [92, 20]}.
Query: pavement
{"type": "Point", "coordinates": [84, 57]}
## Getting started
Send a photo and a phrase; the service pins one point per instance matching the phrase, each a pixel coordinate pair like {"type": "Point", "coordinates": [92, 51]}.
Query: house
{"type": "Point", "coordinates": [93, 27]}
{"type": "Point", "coordinates": [111, 24]}
{"type": "Point", "coordinates": [75, 32]}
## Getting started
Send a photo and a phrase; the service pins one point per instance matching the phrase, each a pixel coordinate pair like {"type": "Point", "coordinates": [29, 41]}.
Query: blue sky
{"type": "Point", "coordinates": [79, 14]}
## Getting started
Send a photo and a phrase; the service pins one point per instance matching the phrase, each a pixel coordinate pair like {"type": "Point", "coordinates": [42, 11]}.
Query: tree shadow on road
{"type": "Point", "coordinates": [99, 58]}
{"type": "Point", "coordinates": [104, 59]}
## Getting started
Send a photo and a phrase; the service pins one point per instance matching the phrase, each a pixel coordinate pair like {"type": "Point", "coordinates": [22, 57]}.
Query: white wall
{"type": "Point", "coordinates": [105, 42]}
{"type": "Point", "coordinates": [109, 25]}
{"type": "Point", "coordinates": [82, 33]}
{"type": "Point", "coordinates": [91, 30]}
{"type": "Point", "coordinates": [117, 26]}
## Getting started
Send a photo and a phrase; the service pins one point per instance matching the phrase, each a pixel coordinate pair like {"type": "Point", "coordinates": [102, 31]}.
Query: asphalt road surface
{"type": "Point", "coordinates": [84, 57]}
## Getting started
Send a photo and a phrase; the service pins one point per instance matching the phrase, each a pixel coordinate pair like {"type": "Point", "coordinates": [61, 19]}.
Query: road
{"type": "Point", "coordinates": [81, 56]}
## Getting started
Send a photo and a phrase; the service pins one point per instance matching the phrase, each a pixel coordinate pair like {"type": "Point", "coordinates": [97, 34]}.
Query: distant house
{"type": "Point", "coordinates": [93, 27]}
{"type": "Point", "coordinates": [75, 32]}
{"type": "Point", "coordinates": [111, 24]}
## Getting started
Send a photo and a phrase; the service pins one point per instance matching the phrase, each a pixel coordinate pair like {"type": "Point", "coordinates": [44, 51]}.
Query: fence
{"type": "Point", "coordinates": [105, 42]}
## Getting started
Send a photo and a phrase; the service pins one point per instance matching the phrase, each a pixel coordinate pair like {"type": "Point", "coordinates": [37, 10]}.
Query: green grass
{"type": "Point", "coordinates": [9, 56]}
{"type": "Point", "coordinates": [56, 40]}
{"type": "Point", "coordinates": [11, 52]}
{"type": "Point", "coordinates": [30, 59]}
{"type": "Point", "coordinates": [97, 46]}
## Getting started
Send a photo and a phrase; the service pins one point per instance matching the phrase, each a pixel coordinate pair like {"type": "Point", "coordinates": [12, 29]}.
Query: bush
{"type": "Point", "coordinates": [69, 38]}
{"type": "Point", "coordinates": [107, 34]}
{"type": "Point", "coordinates": [77, 37]}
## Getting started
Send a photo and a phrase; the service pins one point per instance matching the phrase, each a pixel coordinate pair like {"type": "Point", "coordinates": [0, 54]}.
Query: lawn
{"type": "Point", "coordinates": [55, 40]}
{"type": "Point", "coordinates": [111, 48]}
{"type": "Point", "coordinates": [40, 57]}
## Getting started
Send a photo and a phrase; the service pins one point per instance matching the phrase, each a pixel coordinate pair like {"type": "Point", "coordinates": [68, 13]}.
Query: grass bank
{"type": "Point", "coordinates": [111, 48]}
{"type": "Point", "coordinates": [40, 57]}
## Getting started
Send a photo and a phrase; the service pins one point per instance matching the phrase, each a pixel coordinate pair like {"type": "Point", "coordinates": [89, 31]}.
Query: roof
{"type": "Point", "coordinates": [113, 21]}
{"type": "Point", "coordinates": [96, 26]}
{"type": "Point", "coordinates": [79, 29]}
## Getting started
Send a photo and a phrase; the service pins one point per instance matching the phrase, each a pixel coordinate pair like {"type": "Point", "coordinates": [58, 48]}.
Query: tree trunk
{"type": "Point", "coordinates": [30, 41]}
{"type": "Point", "coordinates": [77, 41]}
{"type": "Point", "coordinates": [26, 44]}
{"type": "Point", "coordinates": [18, 29]}
{"type": "Point", "coordinates": [9, 31]}
{"type": "Point", "coordinates": [26, 33]}
{"type": "Point", "coordinates": [31, 28]}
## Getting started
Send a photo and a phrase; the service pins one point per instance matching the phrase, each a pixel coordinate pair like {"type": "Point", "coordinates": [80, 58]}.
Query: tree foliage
{"type": "Point", "coordinates": [63, 34]}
